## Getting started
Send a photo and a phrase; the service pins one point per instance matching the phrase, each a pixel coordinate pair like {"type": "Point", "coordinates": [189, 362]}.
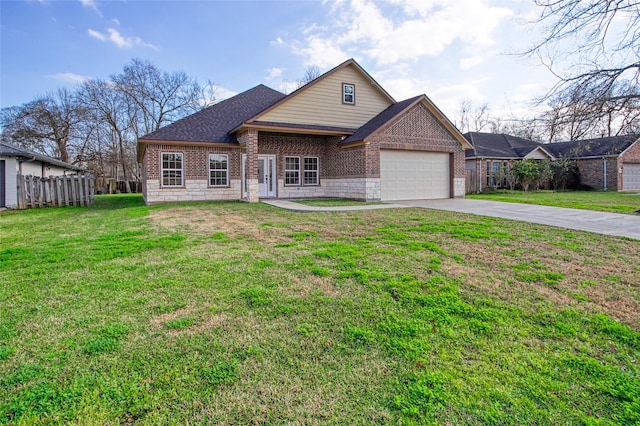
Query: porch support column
{"type": "Point", "coordinates": [250, 140]}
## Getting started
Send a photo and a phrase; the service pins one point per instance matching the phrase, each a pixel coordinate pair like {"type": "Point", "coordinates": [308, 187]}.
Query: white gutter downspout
{"type": "Point", "coordinates": [604, 162]}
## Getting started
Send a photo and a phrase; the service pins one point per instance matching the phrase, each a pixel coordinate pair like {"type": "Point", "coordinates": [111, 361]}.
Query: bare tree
{"type": "Point", "coordinates": [472, 118]}
{"type": "Point", "coordinates": [158, 97]}
{"type": "Point", "coordinates": [115, 116]}
{"type": "Point", "coordinates": [600, 38]}
{"type": "Point", "coordinates": [48, 125]}
{"type": "Point", "coordinates": [310, 73]}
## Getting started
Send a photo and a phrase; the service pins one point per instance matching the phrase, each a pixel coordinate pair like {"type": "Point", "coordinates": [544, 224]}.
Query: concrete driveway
{"type": "Point", "coordinates": [621, 225]}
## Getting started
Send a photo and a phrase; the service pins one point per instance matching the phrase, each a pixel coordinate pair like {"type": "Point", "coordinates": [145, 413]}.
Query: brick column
{"type": "Point", "coordinates": [250, 140]}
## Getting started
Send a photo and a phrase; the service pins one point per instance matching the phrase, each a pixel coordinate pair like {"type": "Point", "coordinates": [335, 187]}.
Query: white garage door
{"type": "Point", "coordinates": [414, 175]}
{"type": "Point", "coordinates": [630, 177]}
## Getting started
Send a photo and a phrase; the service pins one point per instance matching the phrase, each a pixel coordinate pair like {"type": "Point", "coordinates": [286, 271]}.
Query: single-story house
{"type": "Point", "coordinates": [493, 155]}
{"type": "Point", "coordinates": [341, 135]}
{"type": "Point", "coordinates": [608, 164]}
{"type": "Point", "coordinates": [617, 158]}
{"type": "Point", "coordinates": [16, 161]}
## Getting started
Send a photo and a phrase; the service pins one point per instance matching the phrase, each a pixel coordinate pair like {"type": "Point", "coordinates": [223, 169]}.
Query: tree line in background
{"type": "Point", "coordinates": [598, 94]}
{"type": "Point", "coordinates": [97, 124]}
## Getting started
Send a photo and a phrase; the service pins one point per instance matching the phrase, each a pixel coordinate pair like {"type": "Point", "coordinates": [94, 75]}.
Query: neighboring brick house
{"type": "Point", "coordinates": [341, 135]}
{"type": "Point", "coordinates": [493, 155]}
{"type": "Point", "coordinates": [616, 157]}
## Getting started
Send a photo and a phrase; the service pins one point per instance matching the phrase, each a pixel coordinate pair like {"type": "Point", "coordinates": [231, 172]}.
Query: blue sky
{"type": "Point", "coordinates": [450, 50]}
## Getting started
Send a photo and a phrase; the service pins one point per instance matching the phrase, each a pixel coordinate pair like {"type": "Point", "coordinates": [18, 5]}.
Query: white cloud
{"type": "Point", "coordinates": [91, 4]}
{"type": "Point", "coordinates": [288, 86]}
{"type": "Point", "coordinates": [119, 40]}
{"type": "Point", "coordinates": [69, 77]}
{"type": "Point", "coordinates": [401, 30]}
{"type": "Point", "coordinates": [473, 61]}
{"type": "Point", "coordinates": [116, 22]}
{"type": "Point", "coordinates": [321, 52]}
{"type": "Point", "coordinates": [274, 73]}
{"type": "Point", "coordinates": [223, 93]}
{"type": "Point", "coordinates": [448, 98]}
{"type": "Point", "coordinates": [96, 34]}
{"type": "Point", "coordinates": [277, 42]}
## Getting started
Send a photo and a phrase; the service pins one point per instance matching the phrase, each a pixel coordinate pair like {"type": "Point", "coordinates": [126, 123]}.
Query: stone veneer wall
{"type": "Point", "coordinates": [355, 188]}
{"type": "Point", "coordinates": [193, 190]}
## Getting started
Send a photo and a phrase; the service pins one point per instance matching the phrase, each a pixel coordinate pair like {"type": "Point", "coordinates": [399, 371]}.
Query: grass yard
{"type": "Point", "coordinates": [231, 313]}
{"type": "Point", "coordinates": [610, 201]}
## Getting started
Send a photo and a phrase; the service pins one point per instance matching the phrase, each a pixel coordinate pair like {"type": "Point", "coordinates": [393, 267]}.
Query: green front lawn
{"type": "Point", "coordinates": [235, 313]}
{"type": "Point", "coordinates": [610, 201]}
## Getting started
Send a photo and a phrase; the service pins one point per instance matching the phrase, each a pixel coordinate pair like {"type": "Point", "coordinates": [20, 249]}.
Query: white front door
{"type": "Point", "coordinates": [266, 176]}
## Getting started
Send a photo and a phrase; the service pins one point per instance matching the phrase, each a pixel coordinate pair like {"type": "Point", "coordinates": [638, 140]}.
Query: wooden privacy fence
{"type": "Point", "coordinates": [57, 191]}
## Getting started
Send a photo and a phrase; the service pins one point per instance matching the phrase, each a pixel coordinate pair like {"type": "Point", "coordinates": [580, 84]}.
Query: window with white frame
{"type": "Point", "coordinates": [292, 170]}
{"type": "Point", "coordinates": [348, 93]}
{"type": "Point", "coordinates": [311, 171]}
{"type": "Point", "coordinates": [172, 169]}
{"type": "Point", "coordinates": [218, 170]}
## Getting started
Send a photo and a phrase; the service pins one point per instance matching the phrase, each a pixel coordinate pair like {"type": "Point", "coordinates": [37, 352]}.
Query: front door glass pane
{"type": "Point", "coordinates": [260, 171]}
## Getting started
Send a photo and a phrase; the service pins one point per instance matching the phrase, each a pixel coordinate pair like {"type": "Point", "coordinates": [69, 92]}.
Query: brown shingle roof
{"type": "Point", "coordinates": [214, 123]}
{"type": "Point", "coordinates": [607, 146]}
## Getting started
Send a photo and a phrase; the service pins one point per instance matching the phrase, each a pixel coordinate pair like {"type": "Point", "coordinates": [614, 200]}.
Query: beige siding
{"type": "Point", "coordinates": [321, 103]}
{"type": "Point", "coordinates": [537, 155]}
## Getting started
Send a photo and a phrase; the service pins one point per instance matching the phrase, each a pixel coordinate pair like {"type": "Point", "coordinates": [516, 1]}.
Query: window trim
{"type": "Point", "coordinates": [299, 181]}
{"type": "Point", "coordinates": [162, 170]}
{"type": "Point", "coordinates": [344, 86]}
{"type": "Point", "coordinates": [317, 171]}
{"type": "Point", "coordinates": [226, 184]}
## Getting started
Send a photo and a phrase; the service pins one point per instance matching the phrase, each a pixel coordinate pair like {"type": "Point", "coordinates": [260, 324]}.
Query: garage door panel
{"type": "Point", "coordinates": [630, 176]}
{"type": "Point", "coordinates": [407, 175]}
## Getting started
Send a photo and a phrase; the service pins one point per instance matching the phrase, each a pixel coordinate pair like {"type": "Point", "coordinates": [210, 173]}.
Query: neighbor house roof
{"type": "Point", "coordinates": [215, 123]}
{"type": "Point", "coordinates": [600, 147]}
{"type": "Point", "coordinates": [491, 145]}
{"type": "Point", "coordinates": [11, 150]}
{"type": "Point", "coordinates": [381, 120]}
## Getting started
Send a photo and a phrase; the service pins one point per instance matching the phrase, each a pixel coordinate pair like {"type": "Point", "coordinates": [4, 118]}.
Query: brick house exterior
{"type": "Point", "coordinates": [602, 161]}
{"type": "Point", "coordinates": [609, 163]}
{"type": "Point", "coordinates": [262, 143]}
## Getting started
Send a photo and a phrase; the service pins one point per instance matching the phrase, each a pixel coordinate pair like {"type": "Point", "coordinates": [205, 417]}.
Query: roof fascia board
{"type": "Point", "coordinates": [286, 129]}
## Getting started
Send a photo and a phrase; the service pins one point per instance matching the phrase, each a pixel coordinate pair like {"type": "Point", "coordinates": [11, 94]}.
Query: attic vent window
{"type": "Point", "coordinates": [348, 93]}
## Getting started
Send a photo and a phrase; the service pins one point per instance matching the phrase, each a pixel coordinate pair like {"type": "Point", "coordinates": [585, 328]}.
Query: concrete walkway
{"type": "Point", "coordinates": [621, 225]}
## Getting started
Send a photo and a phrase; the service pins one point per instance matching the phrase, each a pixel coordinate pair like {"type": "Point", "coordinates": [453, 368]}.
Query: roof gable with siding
{"type": "Point", "coordinates": [319, 103]}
